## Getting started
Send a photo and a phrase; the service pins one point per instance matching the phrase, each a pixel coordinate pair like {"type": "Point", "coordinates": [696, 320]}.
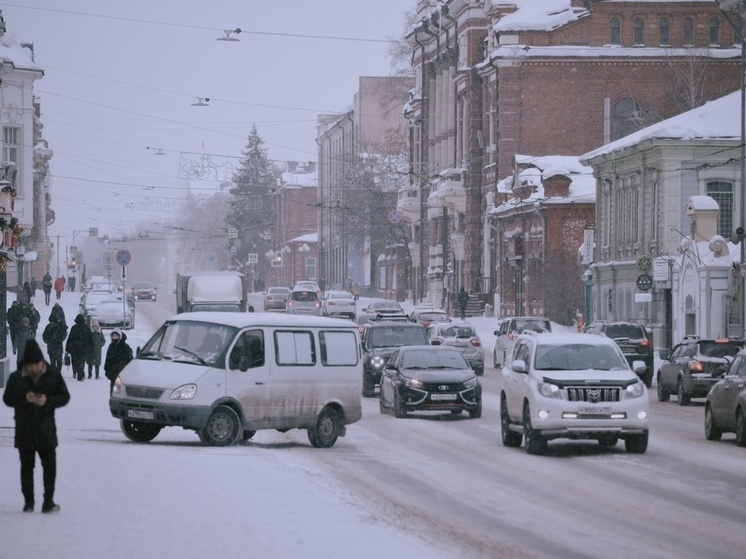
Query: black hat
{"type": "Point", "coordinates": [32, 352]}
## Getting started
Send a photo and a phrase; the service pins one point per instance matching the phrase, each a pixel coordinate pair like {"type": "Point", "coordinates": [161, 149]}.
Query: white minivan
{"type": "Point", "coordinates": [227, 375]}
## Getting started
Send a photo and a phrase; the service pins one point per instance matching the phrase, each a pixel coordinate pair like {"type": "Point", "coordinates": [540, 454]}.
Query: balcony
{"type": "Point", "coordinates": [409, 204]}
{"type": "Point", "coordinates": [447, 191]}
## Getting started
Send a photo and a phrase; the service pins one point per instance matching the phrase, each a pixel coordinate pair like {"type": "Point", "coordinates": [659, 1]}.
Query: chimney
{"type": "Point", "coordinates": [703, 214]}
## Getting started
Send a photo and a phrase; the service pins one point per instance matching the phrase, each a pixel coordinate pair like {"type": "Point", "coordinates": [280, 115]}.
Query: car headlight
{"type": "Point", "coordinates": [376, 362]}
{"type": "Point", "coordinates": [635, 390]}
{"type": "Point", "coordinates": [185, 392]}
{"type": "Point", "coordinates": [471, 383]}
{"type": "Point", "coordinates": [549, 390]}
{"type": "Point", "coordinates": [413, 383]}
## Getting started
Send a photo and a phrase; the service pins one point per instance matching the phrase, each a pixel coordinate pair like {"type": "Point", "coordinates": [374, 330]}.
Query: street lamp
{"type": "Point", "coordinates": [302, 250]}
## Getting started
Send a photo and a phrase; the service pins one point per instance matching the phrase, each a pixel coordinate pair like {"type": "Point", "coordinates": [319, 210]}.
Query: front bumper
{"type": "Point", "coordinates": [556, 418]}
{"type": "Point", "coordinates": [415, 399]}
{"type": "Point", "coordinates": [179, 415]}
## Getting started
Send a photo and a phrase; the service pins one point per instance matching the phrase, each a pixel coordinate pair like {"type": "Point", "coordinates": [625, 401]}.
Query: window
{"type": "Point", "coordinates": [638, 28]}
{"type": "Point", "coordinates": [688, 31]}
{"type": "Point", "coordinates": [626, 116]}
{"type": "Point", "coordinates": [665, 31]}
{"type": "Point", "coordinates": [10, 145]}
{"type": "Point", "coordinates": [722, 193]}
{"type": "Point", "coordinates": [690, 316]}
{"type": "Point", "coordinates": [250, 347]}
{"type": "Point", "coordinates": [714, 31]}
{"type": "Point", "coordinates": [311, 268]}
{"type": "Point", "coordinates": [338, 348]}
{"type": "Point", "coordinates": [616, 31]}
{"type": "Point", "coordinates": [294, 348]}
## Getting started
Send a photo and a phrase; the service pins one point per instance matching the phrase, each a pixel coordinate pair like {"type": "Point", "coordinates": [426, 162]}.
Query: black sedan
{"type": "Point", "coordinates": [725, 410]}
{"type": "Point", "coordinates": [429, 378]}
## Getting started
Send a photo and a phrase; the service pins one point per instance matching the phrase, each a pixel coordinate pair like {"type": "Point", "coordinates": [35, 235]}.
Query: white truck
{"type": "Point", "coordinates": [210, 291]}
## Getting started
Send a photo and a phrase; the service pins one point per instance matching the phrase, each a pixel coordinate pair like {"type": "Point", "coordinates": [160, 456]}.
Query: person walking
{"type": "Point", "coordinates": [46, 285]}
{"type": "Point", "coordinates": [118, 354]}
{"type": "Point", "coordinates": [25, 333]}
{"type": "Point", "coordinates": [14, 315]}
{"type": "Point", "coordinates": [59, 313]}
{"type": "Point", "coordinates": [356, 291]}
{"type": "Point", "coordinates": [462, 298]}
{"type": "Point", "coordinates": [78, 345]}
{"type": "Point", "coordinates": [34, 317]}
{"type": "Point", "coordinates": [97, 343]}
{"type": "Point", "coordinates": [27, 291]}
{"type": "Point", "coordinates": [35, 391]}
{"type": "Point", "coordinates": [54, 336]}
{"type": "Point", "coordinates": [33, 287]}
{"type": "Point", "coordinates": [59, 286]}
{"type": "Point", "coordinates": [71, 283]}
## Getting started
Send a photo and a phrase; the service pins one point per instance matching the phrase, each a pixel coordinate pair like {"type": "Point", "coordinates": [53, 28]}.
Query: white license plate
{"type": "Point", "coordinates": [588, 410]}
{"type": "Point", "coordinates": [139, 414]}
{"type": "Point", "coordinates": [443, 396]}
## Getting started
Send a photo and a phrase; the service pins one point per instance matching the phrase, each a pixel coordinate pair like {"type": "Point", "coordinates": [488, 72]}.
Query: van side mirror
{"type": "Point", "coordinates": [243, 363]}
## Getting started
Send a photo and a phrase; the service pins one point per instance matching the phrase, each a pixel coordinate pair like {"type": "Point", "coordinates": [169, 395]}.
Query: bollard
{"type": "Point", "coordinates": [488, 311]}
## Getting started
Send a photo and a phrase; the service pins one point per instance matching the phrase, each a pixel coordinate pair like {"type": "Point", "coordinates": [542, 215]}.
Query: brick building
{"type": "Point", "coordinates": [559, 77]}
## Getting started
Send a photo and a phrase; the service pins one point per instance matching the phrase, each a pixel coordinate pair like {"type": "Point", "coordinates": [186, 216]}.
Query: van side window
{"type": "Point", "coordinates": [250, 344]}
{"type": "Point", "coordinates": [338, 348]}
{"type": "Point", "coordinates": [294, 348]}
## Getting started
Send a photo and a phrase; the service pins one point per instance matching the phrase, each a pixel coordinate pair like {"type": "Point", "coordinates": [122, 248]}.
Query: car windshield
{"type": "Point", "coordinates": [386, 306]}
{"type": "Point", "coordinates": [434, 316]}
{"type": "Point", "coordinates": [397, 336]}
{"type": "Point", "coordinates": [717, 348]}
{"type": "Point", "coordinates": [346, 296]}
{"type": "Point", "coordinates": [577, 357]}
{"type": "Point", "coordinates": [199, 343]}
{"type": "Point", "coordinates": [631, 331]}
{"type": "Point", "coordinates": [430, 359]}
{"type": "Point", "coordinates": [458, 332]}
{"type": "Point", "coordinates": [522, 325]}
{"type": "Point", "coordinates": [143, 286]}
{"type": "Point", "coordinates": [304, 296]}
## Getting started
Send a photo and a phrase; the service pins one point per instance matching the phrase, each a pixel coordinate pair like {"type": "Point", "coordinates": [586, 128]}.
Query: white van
{"type": "Point", "coordinates": [227, 375]}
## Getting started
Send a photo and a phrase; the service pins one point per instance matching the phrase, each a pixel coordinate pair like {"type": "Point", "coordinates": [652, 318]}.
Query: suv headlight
{"type": "Point", "coordinates": [376, 362]}
{"type": "Point", "coordinates": [549, 390]}
{"type": "Point", "coordinates": [185, 392]}
{"type": "Point", "coordinates": [635, 390]}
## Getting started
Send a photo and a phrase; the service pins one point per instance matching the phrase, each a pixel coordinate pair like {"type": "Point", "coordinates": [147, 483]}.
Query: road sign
{"type": "Point", "coordinates": [232, 232]}
{"type": "Point", "coordinates": [253, 258]}
{"type": "Point", "coordinates": [644, 282]}
{"type": "Point", "coordinates": [644, 263]}
{"type": "Point", "coordinates": [123, 257]}
{"type": "Point", "coordinates": [395, 216]}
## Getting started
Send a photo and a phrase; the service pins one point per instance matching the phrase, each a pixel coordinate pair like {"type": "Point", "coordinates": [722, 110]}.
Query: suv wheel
{"type": "Point", "coordinates": [510, 438]}
{"type": "Point", "coordinates": [741, 428]}
{"type": "Point", "coordinates": [535, 442]}
{"type": "Point", "coordinates": [637, 444]}
{"type": "Point", "coordinates": [663, 394]}
{"type": "Point", "coordinates": [712, 431]}
{"type": "Point", "coordinates": [684, 398]}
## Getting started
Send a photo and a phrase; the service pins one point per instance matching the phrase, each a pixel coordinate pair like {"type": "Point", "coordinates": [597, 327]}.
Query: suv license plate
{"type": "Point", "coordinates": [443, 396]}
{"type": "Point", "coordinates": [138, 414]}
{"type": "Point", "coordinates": [588, 410]}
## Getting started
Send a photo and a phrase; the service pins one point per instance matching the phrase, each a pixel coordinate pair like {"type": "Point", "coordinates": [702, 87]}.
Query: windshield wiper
{"type": "Point", "coordinates": [201, 361]}
{"type": "Point", "coordinates": [155, 354]}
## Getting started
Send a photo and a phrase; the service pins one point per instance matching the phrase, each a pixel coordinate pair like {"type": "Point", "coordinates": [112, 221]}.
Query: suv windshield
{"type": "Point", "coordinates": [576, 357]}
{"type": "Point", "coordinates": [395, 336]}
{"type": "Point", "coordinates": [717, 348]}
{"type": "Point", "coordinates": [631, 331]}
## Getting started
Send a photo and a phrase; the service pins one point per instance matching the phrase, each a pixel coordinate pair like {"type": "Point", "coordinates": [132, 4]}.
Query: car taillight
{"type": "Point", "coordinates": [645, 343]}
{"type": "Point", "coordinates": [696, 366]}
{"type": "Point", "coordinates": [475, 342]}
{"type": "Point", "coordinates": [318, 304]}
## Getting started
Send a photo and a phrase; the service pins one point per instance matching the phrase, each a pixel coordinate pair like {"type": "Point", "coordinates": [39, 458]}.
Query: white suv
{"type": "Point", "coordinates": [572, 386]}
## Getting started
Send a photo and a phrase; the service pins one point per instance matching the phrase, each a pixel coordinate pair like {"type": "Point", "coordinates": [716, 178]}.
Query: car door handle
{"type": "Point", "coordinates": [258, 383]}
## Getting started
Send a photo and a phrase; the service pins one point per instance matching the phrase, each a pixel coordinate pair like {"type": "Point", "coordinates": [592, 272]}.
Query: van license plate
{"type": "Point", "coordinates": [588, 410]}
{"type": "Point", "coordinates": [138, 414]}
{"type": "Point", "coordinates": [442, 396]}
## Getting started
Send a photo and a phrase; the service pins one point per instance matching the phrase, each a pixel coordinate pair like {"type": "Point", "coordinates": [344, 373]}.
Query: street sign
{"type": "Point", "coordinates": [395, 216]}
{"type": "Point", "coordinates": [253, 258]}
{"type": "Point", "coordinates": [644, 263]}
{"type": "Point", "coordinates": [644, 282]}
{"type": "Point", "coordinates": [232, 232]}
{"type": "Point", "coordinates": [643, 297]}
{"type": "Point", "coordinates": [660, 269]}
{"type": "Point", "coordinates": [123, 257]}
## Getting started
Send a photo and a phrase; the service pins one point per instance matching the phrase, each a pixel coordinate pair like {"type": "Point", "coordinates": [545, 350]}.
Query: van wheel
{"type": "Point", "coordinates": [326, 431]}
{"type": "Point", "coordinates": [223, 428]}
{"type": "Point", "coordinates": [139, 432]}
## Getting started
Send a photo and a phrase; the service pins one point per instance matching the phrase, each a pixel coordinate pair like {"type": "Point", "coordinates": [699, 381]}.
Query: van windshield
{"type": "Point", "coordinates": [198, 343]}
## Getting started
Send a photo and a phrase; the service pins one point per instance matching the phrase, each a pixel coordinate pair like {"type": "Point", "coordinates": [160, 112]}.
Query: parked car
{"type": "Point", "coordinates": [91, 299]}
{"type": "Point", "coordinates": [276, 298]}
{"type": "Point", "coordinates": [426, 317]}
{"type": "Point", "coordinates": [508, 329]}
{"type": "Point", "coordinates": [725, 410]}
{"type": "Point", "coordinates": [113, 314]}
{"type": "Point", "coordinates": [301, 301]}
{"type": "Point", "coordinates": [429, 378]}
{"type": "Point", "coordinates": [694, 366]}
{"type": "Point", "coordinates": [379, 340]}
{"type": "Point", "coordinates": [633, 339]}
{"type": "Point", "coordinates": [572, 386]}
{"type": "Point", "coordinates": [144, 291]}
{"type": "Point", "coordinates": [339, 303]}
{"type": "Point", "coordinates": [463, 337]}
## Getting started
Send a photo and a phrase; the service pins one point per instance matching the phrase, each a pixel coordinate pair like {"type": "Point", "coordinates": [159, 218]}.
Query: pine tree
{"type": "Point", "coordinates": [251, 206]}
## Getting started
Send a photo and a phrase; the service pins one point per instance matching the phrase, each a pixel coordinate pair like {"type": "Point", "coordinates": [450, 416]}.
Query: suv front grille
{"type": "Point", "coordinates": [592, 395]}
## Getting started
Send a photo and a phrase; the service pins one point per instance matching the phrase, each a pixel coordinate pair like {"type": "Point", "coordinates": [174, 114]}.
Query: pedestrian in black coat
{"type": "Point", "coordinates": [25, 333]}
{"type": "Point", "coordinates": [59, 313]}
{"type": "Point", "coordinates": [118, 354]}
{"type": "Point", "coordinates": [14, 316]}
{"type": "Point", "coordinates": [54, 336]}
{"type": "Point", "coordinates": [34, 317]}
{"type": "Point", "coordinates": [463, 298]}
{"type": "Point", "coordinates": [35, 391]}
{"type": "Point", "coordinates": [46, 285]}
{"type": "Point", "coordinates": [97, 343]}
{"type": "Point", "coordinates": [78, 345]}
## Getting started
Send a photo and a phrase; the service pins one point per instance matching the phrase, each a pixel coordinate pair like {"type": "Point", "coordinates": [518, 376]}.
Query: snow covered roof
{"type": "Point", "coordinates": [604, 51]}
{"type": "Point", "coordinates": [702, 203]}
{"type": "Point", "coordinates": [715, 120]}
{"type": "Point", "coordinates": [307, 238]}
{"type": "Point", "coordinates": [532, 15]}
{"type": "Point", "coordinates": [18, 57]}
{"type": "Point", "coordinates": [299, 179]}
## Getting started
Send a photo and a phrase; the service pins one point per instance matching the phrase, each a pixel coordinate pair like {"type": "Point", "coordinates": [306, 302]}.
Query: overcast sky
{"type": "Point", "coordinates": [122, 76]}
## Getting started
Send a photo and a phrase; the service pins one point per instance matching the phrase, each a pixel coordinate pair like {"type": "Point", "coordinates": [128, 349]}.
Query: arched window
{"type": "Point", "coordinates": [665, 31]}
{"type": "Point", "coordinates": [626, 118]}
{"type": "Point", "coordinates": [637, 28]}
{"type": "Point", "coordinates": [688, 31]}
{"type": "Point", "coordinates": [722, 193]}
{"type": "Point", "coordinates": [714, 31]}
{"type": "Point", "coordinates": [616, 31]}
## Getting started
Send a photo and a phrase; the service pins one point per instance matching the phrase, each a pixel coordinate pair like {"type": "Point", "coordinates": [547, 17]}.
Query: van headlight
{"type": "Point", "coordinates": [118, 387]}
{"type": "Point", "coordinates": [185, 392]}
{"type": "Point", "coordinates": [549, 390]}
{"type": "Point", "coordinates": [376, 362]}
{"type": "Point", "coordinates": [635, 390]}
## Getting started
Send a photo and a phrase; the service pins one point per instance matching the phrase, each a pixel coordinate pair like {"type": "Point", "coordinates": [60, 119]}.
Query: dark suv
{"type": "Point", "coordinates": [379, 340]}
{"type": "Point", "coordinates": [694, 366]}
{"type": "Point", "coordinates": [634, 341]}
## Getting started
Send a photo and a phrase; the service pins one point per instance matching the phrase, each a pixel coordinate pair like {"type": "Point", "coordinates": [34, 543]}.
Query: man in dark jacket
{"type": "Point", "coordinates": [463, 298]}
{"type": "Point", "coordinates": [79, 346]}
{"type": "Point", "coordinates": [35, 391]}
{"type": "Point", "coordinates": [34, 317]}
{"type": "Point", "coordinates": [14, 316]}
{"type": "Point", "coordinates": [118, 354]}
{"type": "Point", "coordinates": [54, 336]}
{"type": "Point", "coordinates": [46, 285]}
